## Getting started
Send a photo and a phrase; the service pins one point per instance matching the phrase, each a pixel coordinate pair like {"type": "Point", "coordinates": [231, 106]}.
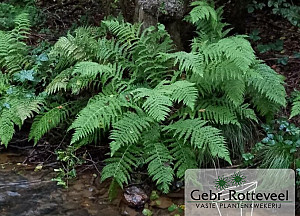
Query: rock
{"type": "Point", "coordinates": [135, 197]}
{"type": "Point", "coordinates": [166, 8]}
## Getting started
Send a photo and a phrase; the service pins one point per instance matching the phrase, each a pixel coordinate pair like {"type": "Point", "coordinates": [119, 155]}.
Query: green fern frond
{"type": "Point", "coordinates": [60, 82]}
{"type": "Point", "coordinates": [270, 85]}
{"type": "Point", "coordinates": [184, 156]}
{"type": "Point", "coordinates": [5, 40]}
{"type": "Point", "coordinates": [120, 165]}
{"type": "Point", "coordinates": [202, 11]}
{"type": "Point", "coordinates": [235, 91]}
{"type": "Point", "coordinates": [85, 73]}
{"type": "Point", "coordinates": [159, 100]}
{"type": "Point", "coordinates": [126, 33]}
{"type": "Point", "coordinates": [16, 112]}
{"type": "Point", "coordinates": [222, 70]}
{"type": "Point", "coordinates": [159, 167]}
{"type": "Point", "coordinates": [188, 62]}
{"type": "Point", "coordinates": [44, 122]}
{"type": "Point", "coordinates": [295, 107]}
{"type": "Point", "coordinates": [184, 91]}
{"type": "Point", "coordinates": [222, 112]}
{"type": "Point", "coordinates": [22, 26]}
{"type": "Point", "coordinates": [157, 104]}
{"type": "Point", "coordinates": [245, 112]}
{"type": "Point", "coordinates": [217, 114]}
{"type": "Point", "coordinates": [4, 83]}
{"type": "Point", "coordinates": [91, 69]}
{"type": "Point", "coordinates": [101, 112]}
{"type": "Point", "coordinates": [264, 106]}
{"type": "Point", "coordinates": [112, 50]}
{"type": "Point", "coordinates": [128, 130]}
{"type": "Point", "coordinates": [13, 49]}
{"type": "Point", "coordinates": [71, 49]}
{"type": "Point", "coordinates": [236, 49]}
{"type": "Point", "coordinates": [200, 136]}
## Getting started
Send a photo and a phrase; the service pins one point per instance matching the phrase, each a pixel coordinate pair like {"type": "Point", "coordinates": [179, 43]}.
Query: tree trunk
{"type": "Point", "coordinates": [168, 12]}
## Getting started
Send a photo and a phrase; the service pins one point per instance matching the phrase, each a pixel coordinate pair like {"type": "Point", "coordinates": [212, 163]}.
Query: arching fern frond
{"type": "Point", "coordinates": [217, 114]}
{"type": "Point", "coordinates": [270, 85]}
{"type": "Point", "coordinates": [157, 104]}
{"type": "Point", "coordinates": [160, 99]}
{"type": "Point", "coordinates": [185, 92]}
{"type": "Point", "coordinates": [17, 110]}
{"type": "Point", "coordinates": [295, 107]}
{"type": "Point", "coordinates": [235, 91]}
{"type": "Point", "coordinates": [126, 33]}
{"type": "Point", "coordinates": [236, 49]}
{"type": "Point", "coordinates": [188, 62]}
{"type": "Point", "coordinates": [128, 130]}
{"type": "Point", "coordinates": [13, 49]}
{"type": "Point", "coordinates": [22, 26]}
{"type": "Point", "coordinates": [202, 10]}
{"type": "Point", "coordinates": [84, 73]}
{"type": "Point", "coordinates": [100, 112]}
{"type": "Point", "coordinates": [60, 82]}
{"type": "Point", "coordinates": [120, 165]}
{"type": "Point", "coordinates": [44, 122]}
{"type": "Point", "coordinates": [72, 49]}
{"type": "Point", "coordinates": [184, 156]}
{"type": "Point", "coordinates": [200, 136]}
{"type": "Point", "coordinates": [159, 167]}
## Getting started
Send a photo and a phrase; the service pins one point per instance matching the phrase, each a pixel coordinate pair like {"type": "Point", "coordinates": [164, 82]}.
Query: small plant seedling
{"type": "Point", "coordinates": [248, 158]}
{"type": "Point", "coordinates": [154, 196]}
{"type": "Point", "coordinates": [284, 60]}
{"type": "Point", "coordinates": [147, 212]}
{"type": "Point", "coordinates": [254, 35]}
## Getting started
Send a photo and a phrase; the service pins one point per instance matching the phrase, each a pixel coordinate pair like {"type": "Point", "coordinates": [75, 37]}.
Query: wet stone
{"type": "Point", "coordinates": [135, 197]}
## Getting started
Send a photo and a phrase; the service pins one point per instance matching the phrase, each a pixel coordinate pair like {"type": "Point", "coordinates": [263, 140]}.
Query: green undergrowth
{"type": "Point", "coordinates": [160, 110]}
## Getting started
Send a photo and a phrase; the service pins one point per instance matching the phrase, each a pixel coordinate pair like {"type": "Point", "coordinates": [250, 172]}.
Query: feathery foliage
{"type": "Point", "coordinates": [160, 109]}
{"type": "Point", "coordinates": [159, 167]}
{"type": "Point", "coordinates": [15, 112]}
{"type": "Point", "coordinates": [200, 136]}
{"type": "Point", "coordinates": [18, 101]}
{"type": "Point", "coordinates": [295, 107]}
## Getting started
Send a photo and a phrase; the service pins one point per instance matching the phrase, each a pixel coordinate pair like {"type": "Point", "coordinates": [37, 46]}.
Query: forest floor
{"type": "Point", "coordinates": [279, 47]}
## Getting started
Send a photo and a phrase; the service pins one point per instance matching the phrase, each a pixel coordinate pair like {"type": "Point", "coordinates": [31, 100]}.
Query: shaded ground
{"type": "Point", "coordinates": [272, 28]}
{"type": "Point", "coordinates": [25, 192]}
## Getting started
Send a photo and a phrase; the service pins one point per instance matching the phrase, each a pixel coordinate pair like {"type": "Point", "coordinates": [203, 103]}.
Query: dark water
{"type": "Point", "coordinates": [24, 192]}
{"type": "Point", "coordinates": [21, 197]}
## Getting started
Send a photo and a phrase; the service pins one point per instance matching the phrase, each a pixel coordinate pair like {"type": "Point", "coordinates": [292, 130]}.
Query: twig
{"type": "Point", "coordinates": [20, 141]}
{"type": "Point", "coordinates": [93, 163]}
{"type": "Point", "coordinates": [56, 148]}
{"type": "Point", "coordinates": [20, 147]}
{"type": "Point", "coordinates": [279, 57]}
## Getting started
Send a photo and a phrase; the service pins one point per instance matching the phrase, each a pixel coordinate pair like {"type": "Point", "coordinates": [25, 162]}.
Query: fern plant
{"type": "Point", "coordinates": [18, 101]}
{"type": "Point", "coordinates": [295, 106]}
{"type": "Point", "coordinates": [160, 109]}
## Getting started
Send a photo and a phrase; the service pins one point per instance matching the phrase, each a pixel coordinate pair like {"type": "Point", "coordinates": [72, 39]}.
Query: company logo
{"type": "Point", "coordinates": [236, 179]}
{"type": "Point", "coordinates": [239, 193]}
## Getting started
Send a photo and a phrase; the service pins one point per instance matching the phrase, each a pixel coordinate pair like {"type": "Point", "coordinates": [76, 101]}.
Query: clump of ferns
{"type": "Point", "coordinates": [167, 107]}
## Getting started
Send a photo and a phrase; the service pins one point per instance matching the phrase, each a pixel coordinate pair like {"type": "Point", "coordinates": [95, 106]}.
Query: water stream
{"type": "Point", "coordinates": [24, 192]}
